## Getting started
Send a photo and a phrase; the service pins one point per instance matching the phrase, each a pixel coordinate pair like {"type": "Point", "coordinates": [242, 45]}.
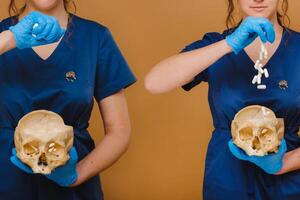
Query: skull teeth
{"type": "Point", "coordinates": [51, 145]}
{"type": "Point", "coordinates": [52, 149]}
{"type": "Point", "coordinates": [264, 131]}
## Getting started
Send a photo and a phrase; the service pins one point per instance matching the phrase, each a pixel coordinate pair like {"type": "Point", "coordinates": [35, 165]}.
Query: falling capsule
{"type": "Point", "coordinates": [261, 87]}
{"type": "Point", "coordinates": [266, 73]}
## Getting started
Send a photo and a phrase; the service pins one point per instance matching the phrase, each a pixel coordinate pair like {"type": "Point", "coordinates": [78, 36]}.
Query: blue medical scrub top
{"type": "Point", "coordinates": [86, 64]}
{"type": "Point", "coordinates": [230, 89]}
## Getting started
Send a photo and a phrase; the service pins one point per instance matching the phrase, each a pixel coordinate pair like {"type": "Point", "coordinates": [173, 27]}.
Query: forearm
{"type": "Point", "coordinates": [113, 145]}
{"type": "Point", "coordinates": [7, 41]}
{"type": "Point", "coordinates": [182, 68]}
{"type": "Point", "coordinates": [291, 161]}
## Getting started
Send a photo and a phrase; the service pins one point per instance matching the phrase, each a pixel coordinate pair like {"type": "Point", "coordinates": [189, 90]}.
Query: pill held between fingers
{"type": "Point", "coordinates": [35, 26]}
{"type": "Point", "coordinates": [266, 73]}
{"type": "Point", "coordinates": [261, 87]}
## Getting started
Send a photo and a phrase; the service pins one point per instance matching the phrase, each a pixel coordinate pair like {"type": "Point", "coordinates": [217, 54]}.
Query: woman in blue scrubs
{"type": "Point", "coordinates": [61, 63]}
{"type": "Point", "coordinates": [226, 61]}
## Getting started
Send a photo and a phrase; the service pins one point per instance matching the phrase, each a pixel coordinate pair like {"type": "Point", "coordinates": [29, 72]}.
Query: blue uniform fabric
{"type": "Point", "coordinates": [230, 89]}
{"type": "Point", "coordinates": [29, 83]}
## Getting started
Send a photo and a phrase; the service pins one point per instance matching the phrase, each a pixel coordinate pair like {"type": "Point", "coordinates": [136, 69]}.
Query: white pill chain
{"type": "Point", "coordinates": [263, 54]}
{"type": "Point", "coordinates": [34, 26]}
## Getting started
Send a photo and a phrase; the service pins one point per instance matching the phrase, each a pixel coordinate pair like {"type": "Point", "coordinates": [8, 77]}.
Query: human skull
{"type": "Point", "coordinates": [43, 141]}
{"type": "Point", "coordinates": [257, 131]}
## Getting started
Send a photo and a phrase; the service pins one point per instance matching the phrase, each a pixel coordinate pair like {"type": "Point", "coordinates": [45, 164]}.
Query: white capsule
{"type": "Point", "coordinates": [258, 80]}
{"type": "Point", "coordinates": [254, 80]}
{"type": "Point", "coordinates": [256, 64]}
{"type": "Point", "coordinates": [266, 73]}
{"type": "Point", "coordinates": [261, 54]}
{"type": "Point", "coordinates": [261, 87]}
{"type": "Point", "coordinates": [35, 26]}
{"type": "Point", "coordinates": [260, 70]}
{"type": "Point", "coordinates": [265, 54]}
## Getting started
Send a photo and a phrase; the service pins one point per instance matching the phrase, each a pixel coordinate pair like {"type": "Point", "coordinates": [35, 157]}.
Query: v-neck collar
{"type": "Point", "coordinates": [275, 54]}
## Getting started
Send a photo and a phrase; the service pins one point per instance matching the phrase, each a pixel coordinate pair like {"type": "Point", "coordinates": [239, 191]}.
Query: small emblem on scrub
{"type": "Point", "coordinates": [71, 76]}
{"type": "Point", "coordinates": [283, 85]}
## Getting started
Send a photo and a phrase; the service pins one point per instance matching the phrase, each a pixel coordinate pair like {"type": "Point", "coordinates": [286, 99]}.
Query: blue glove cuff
{"type": "Point", "coordinates": [230, 42]}
{"type": "Point", "coordinates": [66, 181]}
{"type": "Point", "coordinates": [18, 42]}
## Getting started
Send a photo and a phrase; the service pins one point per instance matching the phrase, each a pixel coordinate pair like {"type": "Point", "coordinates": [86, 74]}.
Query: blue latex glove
{"type": "Point", "coordinates": [271, 163]}
{"type": "Point", "coordinates": [64, 176]}
{"type": "Point", "coordinates": [249, 29]}
{"type": "Point", "coordinates": [28, 35]}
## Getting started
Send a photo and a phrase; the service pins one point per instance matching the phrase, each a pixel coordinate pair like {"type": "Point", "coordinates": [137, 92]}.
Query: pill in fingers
{"type": "Point", "coordinates": [34, 27]}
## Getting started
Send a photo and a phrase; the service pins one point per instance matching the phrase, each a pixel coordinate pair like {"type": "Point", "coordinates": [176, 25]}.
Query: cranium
{"type": "Point", "coordinates": [43, 141]}
{"type": "Point", "coordinates": [257, 131]}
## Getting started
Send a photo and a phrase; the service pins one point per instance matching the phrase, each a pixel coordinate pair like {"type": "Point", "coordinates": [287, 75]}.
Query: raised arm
{"type": "Point", "coordinates": [182, 68]}
{"type": "Point", "coordinates": [35, 29]}
{"type": "Point", "coordinates": [177, 70]}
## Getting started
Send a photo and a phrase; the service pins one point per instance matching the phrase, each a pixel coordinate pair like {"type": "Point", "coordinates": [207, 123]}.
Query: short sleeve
{"type": "Point", "coordinates": [112, 73]}
{"type": "Point", "coordinates": [1, 26]}
{"type": "Point", "coordinates": [207, 39]}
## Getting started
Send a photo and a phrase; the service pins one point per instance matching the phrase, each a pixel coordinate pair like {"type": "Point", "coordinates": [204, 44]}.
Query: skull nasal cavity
{"type": "Point", "coordinates": [256, 143]}
{"type": "Point", "coordinates": [43, 160]}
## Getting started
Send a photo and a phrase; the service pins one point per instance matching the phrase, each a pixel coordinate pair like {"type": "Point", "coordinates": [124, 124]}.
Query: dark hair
{"type": "Point", "coordinates": [282, 17]}
{"type": "Point", "coordinates": [13, 10]}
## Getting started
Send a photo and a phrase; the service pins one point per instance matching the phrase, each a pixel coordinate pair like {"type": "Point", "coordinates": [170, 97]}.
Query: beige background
{"type": "Point", "coordinates": [170, 132]}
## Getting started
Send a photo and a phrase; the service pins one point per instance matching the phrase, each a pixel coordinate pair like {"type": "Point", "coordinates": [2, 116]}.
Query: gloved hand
{"type": "Point", "coordinates": [64, 175]}
{"type": "Point", "coordinates": [36, 29]}
{"type": "Point", "coordinates": [271, 163]}
{"type": "Point", "coordinates": [248, 30]}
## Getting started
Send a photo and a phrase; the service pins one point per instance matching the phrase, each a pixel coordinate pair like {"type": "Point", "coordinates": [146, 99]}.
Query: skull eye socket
{"type": "Point", "coordinates": [31, 148]}
{"type": "Point", "coordinates": [266, 135]}
{"type": "Point", "coordinates": [55, 150]}
{"type": "Point", "coordinates": [246, 134]}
